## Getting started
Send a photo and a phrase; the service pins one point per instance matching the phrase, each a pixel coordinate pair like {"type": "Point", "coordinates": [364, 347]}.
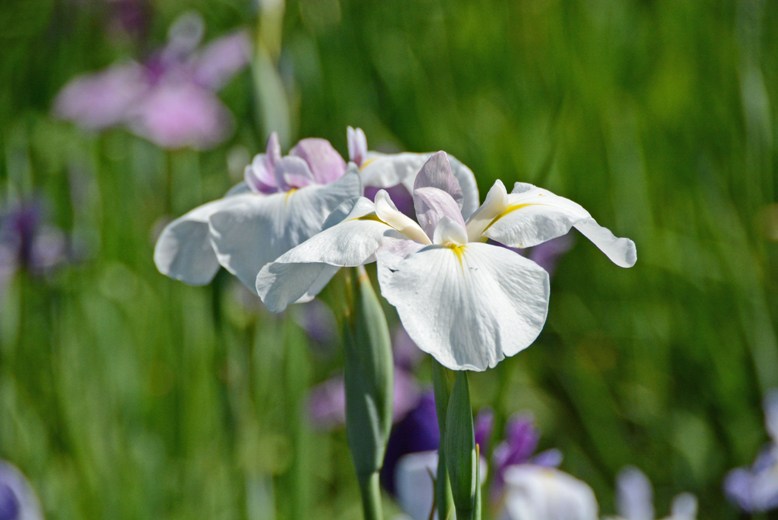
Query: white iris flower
{"type": "Point", "coordinates": [466, 302]}
{"type": "Point", "coordinates": [283, 201]}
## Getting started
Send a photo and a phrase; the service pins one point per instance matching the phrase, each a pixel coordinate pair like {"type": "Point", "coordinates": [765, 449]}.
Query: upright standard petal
{"type": "Point", "coordinates": [387, 170]}
{"type": "Point", "coordinates": [183, 251]}
{"type": "Point", "coordinates": [468, 306]}
{"type": "Point", "coordinates": [432, 205]}
{"type": "Point", "coordinates": [550, 494]}
{"type": "Point", "coordinates": [534, 215]}
{"type": "Point", "coordinates": [256, 229]}
{"type": "Point", "coordinates": [326, 163]}
{"type": "Point", "coordinates": [304, 270]}
{"type": "Point", "coordinates": [634, 495]}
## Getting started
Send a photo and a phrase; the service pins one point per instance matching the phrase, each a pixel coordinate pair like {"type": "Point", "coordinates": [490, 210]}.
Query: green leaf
{"type": "Point", "coordinates": [459, 446]}
{"type": "Point", "coordinates": [368, 377]}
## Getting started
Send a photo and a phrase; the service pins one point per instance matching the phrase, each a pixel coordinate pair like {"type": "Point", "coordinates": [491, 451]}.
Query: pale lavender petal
{"type": "Point", "coordinates": [357, 145]}
{"type": "Point", "coordinates": [178, 115]}
{"type": "Point", "coordinates": [550, 458]}
{"type": "Point", "coordinates": [737, 487]}
{"type": "Point", "coordinates": [634, 496]}
{"type": "Point", "coordinates": [325, 162]}
{"type": "Point", "coordinates": [260, 176]}
{"type": "Point", "coordinates": [399, 194]}
{"type": "Point", "coordinates": [436, 173]}
{"type": "Point", "coordinates": [100, 100]}
{"type": "Point", "coordinates": [294, 172]}
{"type": "Point", "coordinates": [221, 59]}
{"type": "Point", "coordinates": [432, 204]}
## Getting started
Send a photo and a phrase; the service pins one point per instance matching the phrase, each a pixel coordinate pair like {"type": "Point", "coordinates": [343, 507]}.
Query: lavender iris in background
{"type": "Point", "coordinates": [27, 243]}
{"type": "Point", "coordinates": [755, 489]}
{"type": "Point", "coordinates": [170, 98]}
{"type": "Point", "coordinates": [17, 500]}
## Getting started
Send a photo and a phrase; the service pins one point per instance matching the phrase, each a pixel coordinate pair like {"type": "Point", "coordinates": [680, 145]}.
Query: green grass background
{"type": "Point", "coordinates": [124, 394]}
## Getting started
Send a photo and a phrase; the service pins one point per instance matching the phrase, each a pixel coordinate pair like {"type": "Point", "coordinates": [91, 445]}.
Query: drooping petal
{"type": "Point", "coordinates": [634, 496]}
{"type": "Point", "coordinates": [184, 252]}
{"type": "Point", "coordinates": [534, 215]}
{"type": "Point", "coordinates": [357, 145]}
{"type": "Point", "coordinates": [388, 213]}
{"type": "Point", "coordinates": [550, 494]}
{"type": "Point", "coordinates": [325, 162]}
{"type": "Point", "coordinates": [305, 269]}
{"type": "Point", "coordinates": [387, 170]}
{"type": "Point", "coordinates": [436, 173]}
{"type": "Point", "coordinates": [433, 204]}
{"type": "Point", "coordinates": [468, 306]}
{"type": "Point", "coordinates": [257, 229]}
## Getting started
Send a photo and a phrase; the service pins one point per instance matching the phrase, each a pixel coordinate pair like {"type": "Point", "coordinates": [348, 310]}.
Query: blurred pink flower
{"type": "Point", "coordinates": [170, 98]}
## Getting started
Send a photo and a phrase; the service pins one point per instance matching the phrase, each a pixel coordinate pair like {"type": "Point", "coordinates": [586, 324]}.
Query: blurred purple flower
{"type": "Point", "coordinates": [482, 429]}
{"type": "Point", "coordinates": [26, 243]}
{"type": "Point", "coordinates": [170, 98]}
{"type": "Point", "coordinates": [635, 498]}
{"type": "Point", "coordinates": [755, 489]}
{"type": "Point", "coordinates": [17, 500]}
{"type": "Point", "coordinates": [416, 432]}
{"type": "Point", "coordinates": [521, 441]}
{"type": "Point", "coordinates": [327, 400]}
{"type": "Point", "coordinates": [548, 254]}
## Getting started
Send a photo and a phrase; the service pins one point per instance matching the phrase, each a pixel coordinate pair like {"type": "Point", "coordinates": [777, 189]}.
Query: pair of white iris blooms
{"type": "Point", "coordinates": [296, 219]}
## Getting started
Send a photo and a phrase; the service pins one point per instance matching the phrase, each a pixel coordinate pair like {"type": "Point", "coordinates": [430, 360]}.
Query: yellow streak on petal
{"type": "Point", "coordinates": [366, 163]}
{"type": "Point", "coordinates": [459, 251]}
{"type": "Point", "coordinates": [509, 209]}
{"type": "Point", "coordinates": [289, 194]}
{"type": "Point", "coordinates": [371, 216]}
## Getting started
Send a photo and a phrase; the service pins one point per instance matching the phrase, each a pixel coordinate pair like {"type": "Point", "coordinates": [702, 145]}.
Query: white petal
{"type": "Point", "coordinates": [634, 496]}
{"type": "Point", "coordinates": [387, 170]}
{"type": "Point", "coordinates": [388, 212]}
{"type": "Point", "coordinates": [183, 250]}
{"type": "Point", "coordinates": [468, 306]}
{"type": "Point", "coordinates": [450, 232]}
{"type": "Point", "coordinates": [684, 507]}
{"type": "Point", "coordinates": [413, 479]}
{"type": "Point", "coordinates": [771, 414]}
{"type": "Point", "coordinates": [535, 492]}
{"type": "Point", "coordinates": [495, 203]}
{"type": "Point", "coordinates": [306, 269]}
{"type": "Point", "coordinates": [257, 229]}
{"type": "Point", "coordinates": [535, 215]}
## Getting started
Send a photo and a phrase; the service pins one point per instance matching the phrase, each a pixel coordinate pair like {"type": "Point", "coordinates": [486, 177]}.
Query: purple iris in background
{"type": "Point", "coordinates": [17, 500]}
{"type": "Point", "coordinates": [26, 243]}
{"type": "Point", "coordinates": [170, 98]}
{"type": "Point", "coordinates": [635, 499]}
{"type": "Point", "coordinates": [521, 441]}
{"type": "Point", "coordinates": [327, 400]}
{"type": "Point", "coordinates": [755, 489]}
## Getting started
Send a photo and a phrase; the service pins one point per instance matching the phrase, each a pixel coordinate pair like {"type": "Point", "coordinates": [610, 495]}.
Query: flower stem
{"type": "Point", "coordinates": [441, 381]}
{"type": "Point", "coordinates": [370, 491]}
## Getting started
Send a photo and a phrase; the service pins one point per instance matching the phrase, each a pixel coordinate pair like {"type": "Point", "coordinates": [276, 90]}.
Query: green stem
{"type": "Point", "coordinates": [441, 381]}
{"type": "Point", "coordinates": [370, 491]}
